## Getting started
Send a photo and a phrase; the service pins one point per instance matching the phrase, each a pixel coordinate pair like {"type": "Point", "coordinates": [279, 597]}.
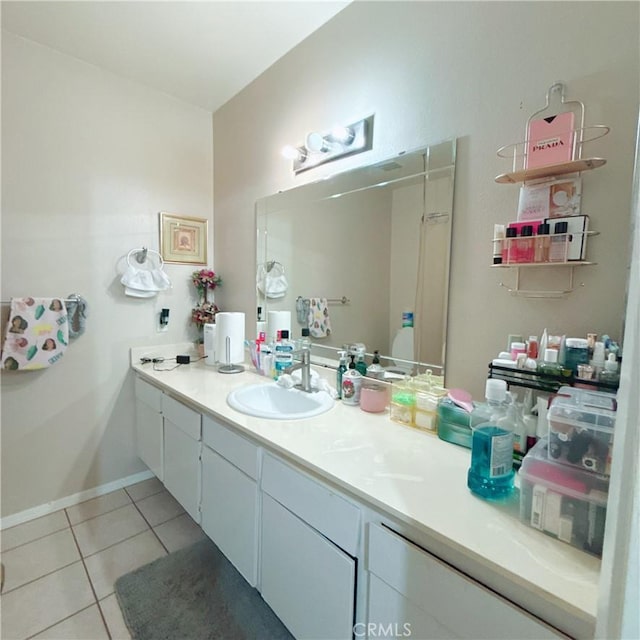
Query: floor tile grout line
{"type": "Point", "coordinates": [86, 571]}
{"type": "Point", "coordinates": [122, 506]}
{"type": "Point", "coordinates": [64, 509]}
{"type": "Point", "coordinates": [152, 529]}
{"type": "Point", "coordinates": [3, 551]}
{"type": "Point", "coordinates": [155, 493]}
{"type": "Point", "coordinates": [59, 621]}
{"type": "Point", "coordinates": [95, 553]}
{"type": "Point", "coordinates": [44, 575]}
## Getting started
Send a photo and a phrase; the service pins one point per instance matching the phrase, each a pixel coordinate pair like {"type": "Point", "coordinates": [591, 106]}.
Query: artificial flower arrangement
{"type": "Point", "coordinates": [205, 312]}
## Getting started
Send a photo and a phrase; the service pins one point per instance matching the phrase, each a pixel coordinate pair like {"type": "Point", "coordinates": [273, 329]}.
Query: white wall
{"type": "Point", "coordinates": [89, 159]}
{"type": "Point", "coordinates": [431, 71]}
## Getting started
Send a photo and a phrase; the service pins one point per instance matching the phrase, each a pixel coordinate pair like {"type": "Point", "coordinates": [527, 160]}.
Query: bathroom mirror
{"type": "Point", "coordinates": [375, 242]}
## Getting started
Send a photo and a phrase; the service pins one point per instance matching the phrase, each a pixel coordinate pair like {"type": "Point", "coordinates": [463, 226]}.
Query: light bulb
{"type": "Point", "coordinates": [292, 153]}
{"type": "Point", "coordinates": [316, 142]}
{"type": "Point", "coordinates": [344, 135]}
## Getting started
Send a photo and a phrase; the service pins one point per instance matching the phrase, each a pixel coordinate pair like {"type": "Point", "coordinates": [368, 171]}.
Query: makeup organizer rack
{"type": "Point", "coordinates": [525, 171]}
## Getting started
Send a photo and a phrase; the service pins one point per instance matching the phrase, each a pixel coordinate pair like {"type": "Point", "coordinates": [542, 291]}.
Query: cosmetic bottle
{"type": "Point", "coordinates": [559, 243]}
{"type": "Point", "coordinates": [304, 342]}
{"type": "Point", "coordinates": [576, 351]}
{"type": "Point", "coordinates": [509, 246]}
{"type": "Point", "coordinates": [342, 367]}
{"type": "Point", "coordinates": [549, 366]}
{"type": "Point", "coordinates": [490, 475]}
{"type": "Point", "coordinates": [541, 243]}
{"type": "Point", "coordinates": [283, 354]}
{"type": "Point", "coordinates": [361, 365]}
{"type": "Point", "coordinates": [597, 357]}
{"type": "Point", "coordinates": [532, 347]}
{"type": "Point", "coordinates": [517, 348]}
{"type": "Point", "coordinates": [261, 325]}
{"type": "Point", "coordinates": [375, 370]}
{"type": "Point", "coordinates": [498, 243]}
{"type": "Point", "coordinates": [542, 347]}
{"type": "Point", "coordinates": [351, 386]}
{"type": "Point", "coordinates": [610, 374]}
{"type": "Point", "coordinates": [524, 244]}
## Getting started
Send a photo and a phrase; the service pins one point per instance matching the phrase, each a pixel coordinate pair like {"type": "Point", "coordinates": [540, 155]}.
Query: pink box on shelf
{"type": "Point", "coordinates": [550, 140]}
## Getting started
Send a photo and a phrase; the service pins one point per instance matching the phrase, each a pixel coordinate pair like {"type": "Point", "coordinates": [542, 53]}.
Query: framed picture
{"type": "Point", "coordinates": [183, 239]}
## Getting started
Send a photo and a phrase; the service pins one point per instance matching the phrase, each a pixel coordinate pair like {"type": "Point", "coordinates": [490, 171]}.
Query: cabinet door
{"type": "Point", "coordinates": [182, 468]}
{"type": "Point", "coordinates": [446, 598]}
{"type": "Point", "coordinates": [149, 437]}
{"type": "Point", "coordinates": [390, 610]}
{"type": "Point", "coordinates": [229, 500]}
{"type": "Point", "coordinates": [306, 580]}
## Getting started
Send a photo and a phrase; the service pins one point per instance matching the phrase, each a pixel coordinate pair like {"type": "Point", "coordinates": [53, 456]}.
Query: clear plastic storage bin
{"type": "Point", "coordinates": [565, 502]}
{"type": "Point", "coordinates": [581, 428]}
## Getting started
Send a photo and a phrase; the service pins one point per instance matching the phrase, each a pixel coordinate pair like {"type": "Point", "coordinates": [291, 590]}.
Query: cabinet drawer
{"type": "Point", "coordinates": [184, 418]}
{"type": "Point", "coordinates": [147, 393]}
{"type": "Point", "coordinates": [327, 512]}
{"type": "Point", "coordinates": [236, 449]}
{"type": "Point", "coordinates": [449, 597]}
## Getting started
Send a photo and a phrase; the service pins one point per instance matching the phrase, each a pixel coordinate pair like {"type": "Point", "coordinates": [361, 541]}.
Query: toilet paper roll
{"type": "Point", "coordinates": [230, 325]}
{"type": "Point", "coordinates": [277, 321]}
{"type": "Point", "coordinates": [210, 344]}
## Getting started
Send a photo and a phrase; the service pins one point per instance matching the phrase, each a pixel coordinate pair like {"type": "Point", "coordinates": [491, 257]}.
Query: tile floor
{"type": "Point", "coordinates": [60, 569]}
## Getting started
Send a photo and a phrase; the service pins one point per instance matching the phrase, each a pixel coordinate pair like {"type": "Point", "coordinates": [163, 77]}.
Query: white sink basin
{"type": "Point", "coordinates": [277, 403]}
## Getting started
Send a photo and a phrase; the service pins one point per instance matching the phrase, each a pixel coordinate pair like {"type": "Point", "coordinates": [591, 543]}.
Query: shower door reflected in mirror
{"type": "Point", "coordinates": [379, 236]}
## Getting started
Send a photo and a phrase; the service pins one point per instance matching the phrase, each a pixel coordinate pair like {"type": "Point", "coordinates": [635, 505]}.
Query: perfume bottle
{"type": "Point", "coordinates": [524, 245]}
{"type": "Point", "coordinates": [541, 243]}
{"type": "Point", "coordinates": [559, 243]}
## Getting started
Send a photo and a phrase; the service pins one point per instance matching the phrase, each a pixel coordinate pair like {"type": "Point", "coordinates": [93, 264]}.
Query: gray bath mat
{"type": "Point", "coordinates": [195, 594]}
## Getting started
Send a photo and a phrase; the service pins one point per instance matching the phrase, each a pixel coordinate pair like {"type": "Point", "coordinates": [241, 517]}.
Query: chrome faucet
{"type": "Point", "coordinates": [305, 367]}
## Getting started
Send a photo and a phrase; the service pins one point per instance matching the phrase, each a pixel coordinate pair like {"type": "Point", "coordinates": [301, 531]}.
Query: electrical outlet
{"type": "Point", "coordinates": [163, 320]}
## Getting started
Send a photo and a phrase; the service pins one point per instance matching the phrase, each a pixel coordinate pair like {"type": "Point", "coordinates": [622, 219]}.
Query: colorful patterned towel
{"type": "Point", "coordinates": [37, 334]}
{"type": "Point", "coordinates": [319, 323]}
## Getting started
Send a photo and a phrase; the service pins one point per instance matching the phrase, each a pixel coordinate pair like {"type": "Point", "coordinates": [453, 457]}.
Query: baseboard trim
{"type": "Point", "coordinates": [69, 501]}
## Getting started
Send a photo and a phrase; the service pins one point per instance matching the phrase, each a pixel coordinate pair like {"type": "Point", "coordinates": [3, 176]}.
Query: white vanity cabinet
{"type": "Point", "coordinates": [418, 595]}
{"type": "Point", "coordinates": [149, 426]}
{"type": "Point", "coordinates": [309, 541]}
{"type": "Point", "coordinates": [182, 445]}
{"type": "Point", "coordinates": [230, 495]}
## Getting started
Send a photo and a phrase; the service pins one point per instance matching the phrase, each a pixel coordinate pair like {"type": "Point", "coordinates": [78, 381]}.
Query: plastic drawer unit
{"type": "Point", "coordinates": [581, 428]}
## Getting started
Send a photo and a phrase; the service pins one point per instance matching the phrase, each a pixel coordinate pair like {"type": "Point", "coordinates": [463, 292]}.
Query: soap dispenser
{"type": "Point", "coordinates": [375, 370]}
{"type": "Point", "coordinates": [361, 365]}
{"type": "Point", "coordinates": [351, 384]}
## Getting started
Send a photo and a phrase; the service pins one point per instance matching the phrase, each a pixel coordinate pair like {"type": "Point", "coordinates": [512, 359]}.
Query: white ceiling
{"type": "Point", "coordinates": [201, 52]}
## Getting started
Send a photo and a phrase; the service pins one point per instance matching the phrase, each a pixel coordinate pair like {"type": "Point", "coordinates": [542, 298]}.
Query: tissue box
{"type": "Point", "coordinates": [567, 503]}
{"type": "Point", "coordinates": [581, 426]}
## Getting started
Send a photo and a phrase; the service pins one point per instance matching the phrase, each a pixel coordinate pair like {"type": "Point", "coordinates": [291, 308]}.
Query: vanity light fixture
{"type": "Point", "coordinates": [341, 141]}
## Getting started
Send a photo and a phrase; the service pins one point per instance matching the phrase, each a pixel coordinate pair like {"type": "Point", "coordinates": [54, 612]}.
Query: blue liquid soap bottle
{"type": "Point", "coordinates": [491, 473]}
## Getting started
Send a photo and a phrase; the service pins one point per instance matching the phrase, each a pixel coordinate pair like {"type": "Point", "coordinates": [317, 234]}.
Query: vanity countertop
{"type": "Point", "coordinates": [414, 477]}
